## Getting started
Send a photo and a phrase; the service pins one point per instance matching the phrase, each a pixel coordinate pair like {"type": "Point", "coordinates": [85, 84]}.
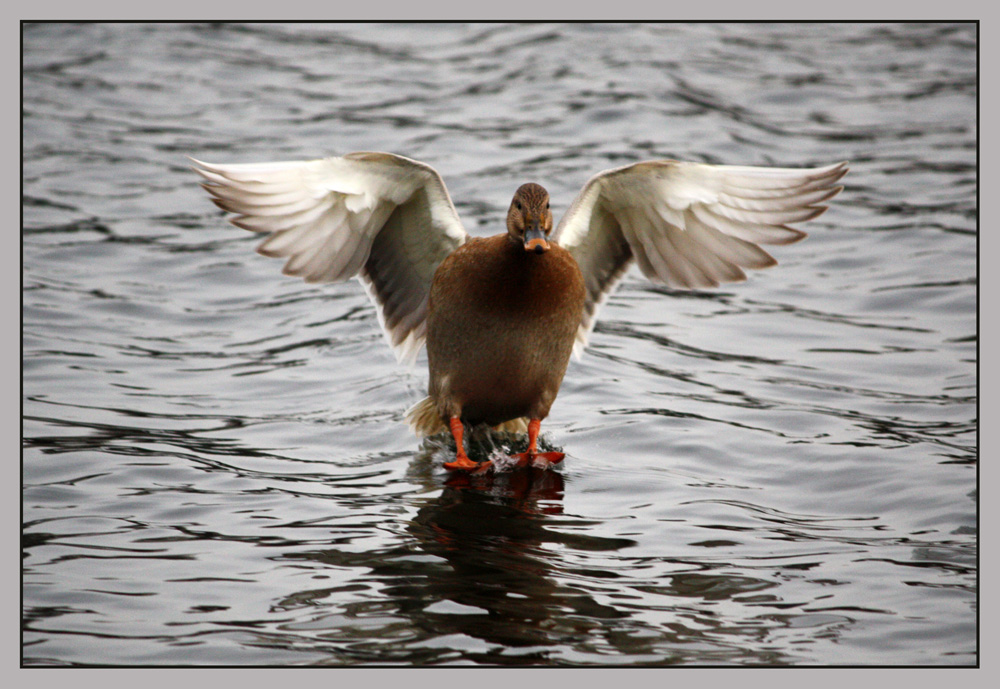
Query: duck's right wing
{"type": "Point", "coordinates": [381, 217]}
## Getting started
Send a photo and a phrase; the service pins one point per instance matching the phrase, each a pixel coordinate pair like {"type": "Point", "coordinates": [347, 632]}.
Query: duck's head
{"type": "Point", "coordinates": [529, 220]}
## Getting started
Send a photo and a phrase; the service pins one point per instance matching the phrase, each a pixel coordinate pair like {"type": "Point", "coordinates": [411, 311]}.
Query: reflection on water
{"type": "Point", "coordinates": [216, 467]}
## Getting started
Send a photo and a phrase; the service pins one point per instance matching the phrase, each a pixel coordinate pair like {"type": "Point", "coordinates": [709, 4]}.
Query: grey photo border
{"type": "Point", "coordinates": [522, 10]}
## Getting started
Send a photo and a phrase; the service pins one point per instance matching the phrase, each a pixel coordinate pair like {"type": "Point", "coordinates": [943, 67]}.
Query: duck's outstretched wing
{"type": "Point", "coordinates": [688, 225]}
{"type": "Point", "coordinates": [381, 217]}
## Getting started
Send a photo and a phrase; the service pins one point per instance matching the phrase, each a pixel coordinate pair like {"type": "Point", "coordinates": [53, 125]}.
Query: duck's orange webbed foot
{"type": "Point", "coordinates": [539, 460]}
{"type": "Point", "coordinates": [534, 458]}
{"type": "Point", "coordinates": [462, 461]}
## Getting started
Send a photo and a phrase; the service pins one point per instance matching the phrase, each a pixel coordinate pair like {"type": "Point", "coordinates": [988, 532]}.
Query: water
{"type": "Point", "coordinates": [215, 465]}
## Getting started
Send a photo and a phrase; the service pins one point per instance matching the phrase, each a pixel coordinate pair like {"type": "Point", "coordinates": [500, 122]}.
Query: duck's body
{"type": "Point", "coordinates": [501, 315]}
{"type": "Point", "coordinates": [500, 330]}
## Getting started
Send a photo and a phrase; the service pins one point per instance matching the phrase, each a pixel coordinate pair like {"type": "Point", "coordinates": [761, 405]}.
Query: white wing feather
{"type": "Point", "coordinates": [687, 225]}
{"type": "Point", "coordinates": [383, 218]}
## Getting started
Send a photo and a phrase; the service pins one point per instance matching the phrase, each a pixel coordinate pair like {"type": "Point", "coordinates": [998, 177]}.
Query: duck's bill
{"type": "Point", "coordinates": [534, 240]}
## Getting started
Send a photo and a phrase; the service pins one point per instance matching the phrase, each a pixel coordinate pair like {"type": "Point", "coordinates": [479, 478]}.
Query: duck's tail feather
{"type": "Point", "coordinates": [424, 420]}
{"type": "Point", "coordinates": [519, 425]}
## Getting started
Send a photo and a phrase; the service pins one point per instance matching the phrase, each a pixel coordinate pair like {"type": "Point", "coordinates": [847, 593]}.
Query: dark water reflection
{"type": "Point", "coordinates": [216, 468]}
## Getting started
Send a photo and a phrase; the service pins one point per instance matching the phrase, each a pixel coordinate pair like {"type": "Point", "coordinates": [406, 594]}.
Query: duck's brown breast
{"type": "Point", "coordinates": [500, 329]}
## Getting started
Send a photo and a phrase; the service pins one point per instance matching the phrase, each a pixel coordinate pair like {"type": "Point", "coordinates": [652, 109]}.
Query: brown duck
{"type": "Point", "coordinates": [501, 315]}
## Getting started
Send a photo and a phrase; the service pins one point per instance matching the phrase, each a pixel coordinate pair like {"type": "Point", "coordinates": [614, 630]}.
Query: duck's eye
{"type": "Point", "coordinates": [546, 205]}
{"type": "Point", "coordinates": [517, 205]}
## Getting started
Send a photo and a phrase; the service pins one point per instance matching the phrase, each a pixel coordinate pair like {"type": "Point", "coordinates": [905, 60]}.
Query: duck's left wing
{"type": "Point", "coordinates": [383, 218]}
{"type": "Point", "coordinates": [687, 225]}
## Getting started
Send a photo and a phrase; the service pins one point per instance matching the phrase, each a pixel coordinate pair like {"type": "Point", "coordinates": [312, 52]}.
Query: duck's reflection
{"type": "Point", "coordinates": [535, 491]}
{"type": "Point", "coordinates": [498, 583]}
{"type": "Point", "coordinates": [482, 563]}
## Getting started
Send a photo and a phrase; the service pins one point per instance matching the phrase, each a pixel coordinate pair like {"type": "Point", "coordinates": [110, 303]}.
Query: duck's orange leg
{"type": "Point", "coordinates": [532, 455]}
{"type": "Point", "coordinates": [462, 461]}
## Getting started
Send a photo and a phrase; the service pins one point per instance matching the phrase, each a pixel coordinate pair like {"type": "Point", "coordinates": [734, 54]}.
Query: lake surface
{"type": "Point", "coordinates": [215, 464]}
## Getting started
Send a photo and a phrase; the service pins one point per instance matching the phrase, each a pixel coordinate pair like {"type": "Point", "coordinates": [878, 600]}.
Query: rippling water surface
{"type": "Point", "coordinates": [215, 464]}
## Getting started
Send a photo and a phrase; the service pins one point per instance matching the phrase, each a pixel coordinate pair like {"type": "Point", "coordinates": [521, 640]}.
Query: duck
{"type": "Point", "coordinates": [501, 316]}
